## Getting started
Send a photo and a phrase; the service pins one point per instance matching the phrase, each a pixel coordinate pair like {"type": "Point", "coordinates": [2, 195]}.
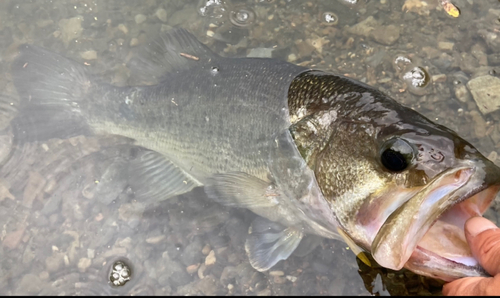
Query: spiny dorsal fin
{"type": "Point", "coordinates": [174, 51]}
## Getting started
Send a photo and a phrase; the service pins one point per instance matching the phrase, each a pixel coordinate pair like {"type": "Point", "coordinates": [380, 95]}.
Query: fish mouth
{"type": "Point", "coordinates": [426, 233]}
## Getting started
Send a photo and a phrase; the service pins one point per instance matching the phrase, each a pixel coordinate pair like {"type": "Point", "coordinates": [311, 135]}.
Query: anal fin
{"type": "Point", "coordinates": [269, 242]}
{"type": "Point", "coordinates": [153, 177]}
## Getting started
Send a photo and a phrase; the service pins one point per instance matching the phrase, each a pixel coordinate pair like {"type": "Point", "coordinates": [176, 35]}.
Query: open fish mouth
{"type": "Point", "coordinates": [426, 233]}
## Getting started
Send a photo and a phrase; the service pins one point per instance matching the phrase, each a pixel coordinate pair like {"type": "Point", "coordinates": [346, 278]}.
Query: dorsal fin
{"type": "Point", "coordinates": [175, 50]}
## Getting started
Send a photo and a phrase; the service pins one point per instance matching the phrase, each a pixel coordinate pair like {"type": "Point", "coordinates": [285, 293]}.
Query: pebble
{"type": "Point", "coordinates": [494, 59]}
{"type": "Point", "coordinates": [445, 45]}
{"type": "Point", "coordinates": [493, 156]}
{"type": "Point", "coordinates": [134, 42]}
{"type": "Point", "coordinates": [462, 93]}
{"type": "Point", "coordinates": [70, 29]}
{"type": "Point", "coordinates": [291, 278]}
{"type": "Point", "coordinates": [90, 253]}
{"type": "Point", "coordinates": [479, 124]}
{"type": "Point", "coordinates": [386, 35]}
{"type": "Point", "coordinates": [276, 273]}
{"type": "Point", "coordinates": [5, 146]}
{"type": "Point", "coordinates": [140, 18]}
{"type": "Point", "coordinates": [201, 271]}
{"type": "Point", "coordinates": [36, 182]}
{"type": "Point", "coordinates": [51, 205]}
{"type": "Point", "coordinates": [83, 264]}
{"type": "Point", "coordinates": [89, 55]}
{"type": "Point", "coordinates": [161, 14]}
{"type": "Point", "coordinates": [125, 242]}
{"type": "Point", "coordinates": [13, 239]}
{"type": "Point", "coordinates": [261, 53]}
{"type": "Point", "coordinates": [44, 275]}
{"type": "Point", "coordinates": [265, 292]}
{"type": "Point", "coordinates": [279, 279]}
{"type": "Point", "coordinates": [54, 262]}
{"type": "Point", "coordinates": [486, 92]}
{"type": "Point", "coordinates": [206, 249]}
{"type": "Point", "coordinates": [192, 253]}
{"type": "Point", "coordinates": [115, 251]}
{"type": "Point", "coordinates": [192, 268]}
{"type": "Point", "coordinates": [228, 273]}
{"type": "Point", "coordinates": [439, 78]}
{"type": "Point", "coordinates": [304, 48]}
{"type": "Point", "coordinates": [210, 259]}
{"type": "Point", "coordinates": [364, 28]}
{"type": "Point", "coordinates": [156, 240]}
{"type": "Point", "coordinates": [5, 193]}
{"type": "Point", "coordinates": [123, 28]}
{"type": "Point", "coordinates": [30, 284]}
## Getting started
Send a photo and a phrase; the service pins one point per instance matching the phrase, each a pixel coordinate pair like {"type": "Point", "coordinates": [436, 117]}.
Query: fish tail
{"type": "Point", "coordinates": [51, 88]}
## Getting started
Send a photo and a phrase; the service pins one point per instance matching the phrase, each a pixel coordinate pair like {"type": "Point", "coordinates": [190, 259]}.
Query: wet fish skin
{"type": "Point", "coordinates": [341, 127]}
{"type": "Point", "coordinates": [299, 147]}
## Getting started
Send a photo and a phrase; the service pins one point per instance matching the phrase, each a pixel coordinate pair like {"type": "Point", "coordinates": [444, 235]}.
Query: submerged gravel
{"type": "Point", "coordinates": [67, 217]}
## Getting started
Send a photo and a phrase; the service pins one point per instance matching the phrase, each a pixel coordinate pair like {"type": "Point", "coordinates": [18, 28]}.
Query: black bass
{"type": "Point", "coordinates": [313, 153]}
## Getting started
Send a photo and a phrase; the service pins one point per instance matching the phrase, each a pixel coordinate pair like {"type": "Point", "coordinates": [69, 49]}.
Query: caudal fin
{"type": "Point", "coordinates": [51, 88]}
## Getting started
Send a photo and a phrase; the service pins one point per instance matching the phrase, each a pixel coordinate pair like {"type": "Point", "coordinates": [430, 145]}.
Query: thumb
{"type": "Point", "coordinates": [483, 237]}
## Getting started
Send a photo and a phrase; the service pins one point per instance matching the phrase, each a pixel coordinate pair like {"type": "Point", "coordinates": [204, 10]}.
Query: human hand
{"type": "Point", "coordinates": [483, 237]}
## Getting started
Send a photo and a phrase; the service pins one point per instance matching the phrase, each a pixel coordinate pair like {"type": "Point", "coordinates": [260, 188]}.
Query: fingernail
{"type": "Point", "coordinates": [477, 224]}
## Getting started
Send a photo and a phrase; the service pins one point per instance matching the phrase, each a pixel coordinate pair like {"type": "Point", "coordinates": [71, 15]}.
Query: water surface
{"type": "Point", "coordinates": [66, 218]}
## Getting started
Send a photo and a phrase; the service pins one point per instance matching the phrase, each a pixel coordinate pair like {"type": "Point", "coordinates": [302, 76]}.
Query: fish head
{"type": "Point", "coordinates": [402, 187]}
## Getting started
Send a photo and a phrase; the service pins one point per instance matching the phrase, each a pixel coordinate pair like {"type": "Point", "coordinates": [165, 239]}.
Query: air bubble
{"type": "Point", "coordinates": [329, 18]}
{"type": "Point", "coordinates": [120, 273]}
{"type": "Point", "coordinates": [212, 8]}
{"type": "Point", "coordinates": [241, 16]}
{"type": "Point", "coordinates": [417, 79]}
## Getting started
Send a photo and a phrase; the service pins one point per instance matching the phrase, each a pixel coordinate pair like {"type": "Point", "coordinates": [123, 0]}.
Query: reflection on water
{"type": "Point", "coordinates": [70, 223]}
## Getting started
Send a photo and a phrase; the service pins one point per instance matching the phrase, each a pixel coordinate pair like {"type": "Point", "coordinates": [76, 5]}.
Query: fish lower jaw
{"type": "Point", "coordinates": [443, 252]}
{"type": "Point", "coordinates": [428, 263]}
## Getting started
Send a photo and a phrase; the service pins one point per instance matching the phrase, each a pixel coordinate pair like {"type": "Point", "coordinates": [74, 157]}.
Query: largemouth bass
{"type": "Point", "coordinates": [312, 153]}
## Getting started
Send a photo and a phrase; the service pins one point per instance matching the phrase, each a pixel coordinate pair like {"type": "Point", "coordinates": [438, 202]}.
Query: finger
{"type": "Point", "coordinates": [483, 237]}
{"type": "Point", "coordinates": [473, 286]}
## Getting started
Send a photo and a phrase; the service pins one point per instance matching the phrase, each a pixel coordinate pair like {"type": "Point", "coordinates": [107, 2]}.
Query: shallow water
{"type": "Point", "coordinates": [66, 217]}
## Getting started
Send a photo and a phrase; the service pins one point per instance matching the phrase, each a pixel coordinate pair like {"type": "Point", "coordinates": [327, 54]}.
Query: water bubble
{"type": "Point", "coordinates": [401, 62]}
{"type": "Point", "coordinates": [241, 16]}
{"type": "Point", "coordinates": [329, 18]}
{"type": "Point", "coordinates": [120, 273]}
{"type": "Point", "coordinates": [212, 8]}
{"type": "Point", "coordinates": [125, 273]}
{"type": "Point", "coordinates": [417, 79]}
{"type": "Point", "coordinates": [118, 266]}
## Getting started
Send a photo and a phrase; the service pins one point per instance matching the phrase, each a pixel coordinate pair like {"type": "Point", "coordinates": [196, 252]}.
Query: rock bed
{"type": "Point", "coordinates": [67, 217]}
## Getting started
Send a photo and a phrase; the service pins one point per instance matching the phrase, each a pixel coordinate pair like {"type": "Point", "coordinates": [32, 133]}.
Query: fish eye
{"type": "Point", "coordinates": [396, 155]}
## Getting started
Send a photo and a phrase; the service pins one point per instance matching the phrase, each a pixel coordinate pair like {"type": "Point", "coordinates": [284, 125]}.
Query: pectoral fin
{"type": "Point", "coordinates": [238, 189]}
{"type": "Point", "coordinates": [153, 177]}
{"type": "Point", "coordinates": [269, 242]}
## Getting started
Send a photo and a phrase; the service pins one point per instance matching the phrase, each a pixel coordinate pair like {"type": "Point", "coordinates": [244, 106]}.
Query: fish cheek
{"type": "Point", "coordinates": [345, 167]}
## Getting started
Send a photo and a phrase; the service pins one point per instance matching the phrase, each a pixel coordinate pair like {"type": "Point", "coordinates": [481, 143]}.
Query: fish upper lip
{"type": "Point", "coordinates": [393, 246]}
